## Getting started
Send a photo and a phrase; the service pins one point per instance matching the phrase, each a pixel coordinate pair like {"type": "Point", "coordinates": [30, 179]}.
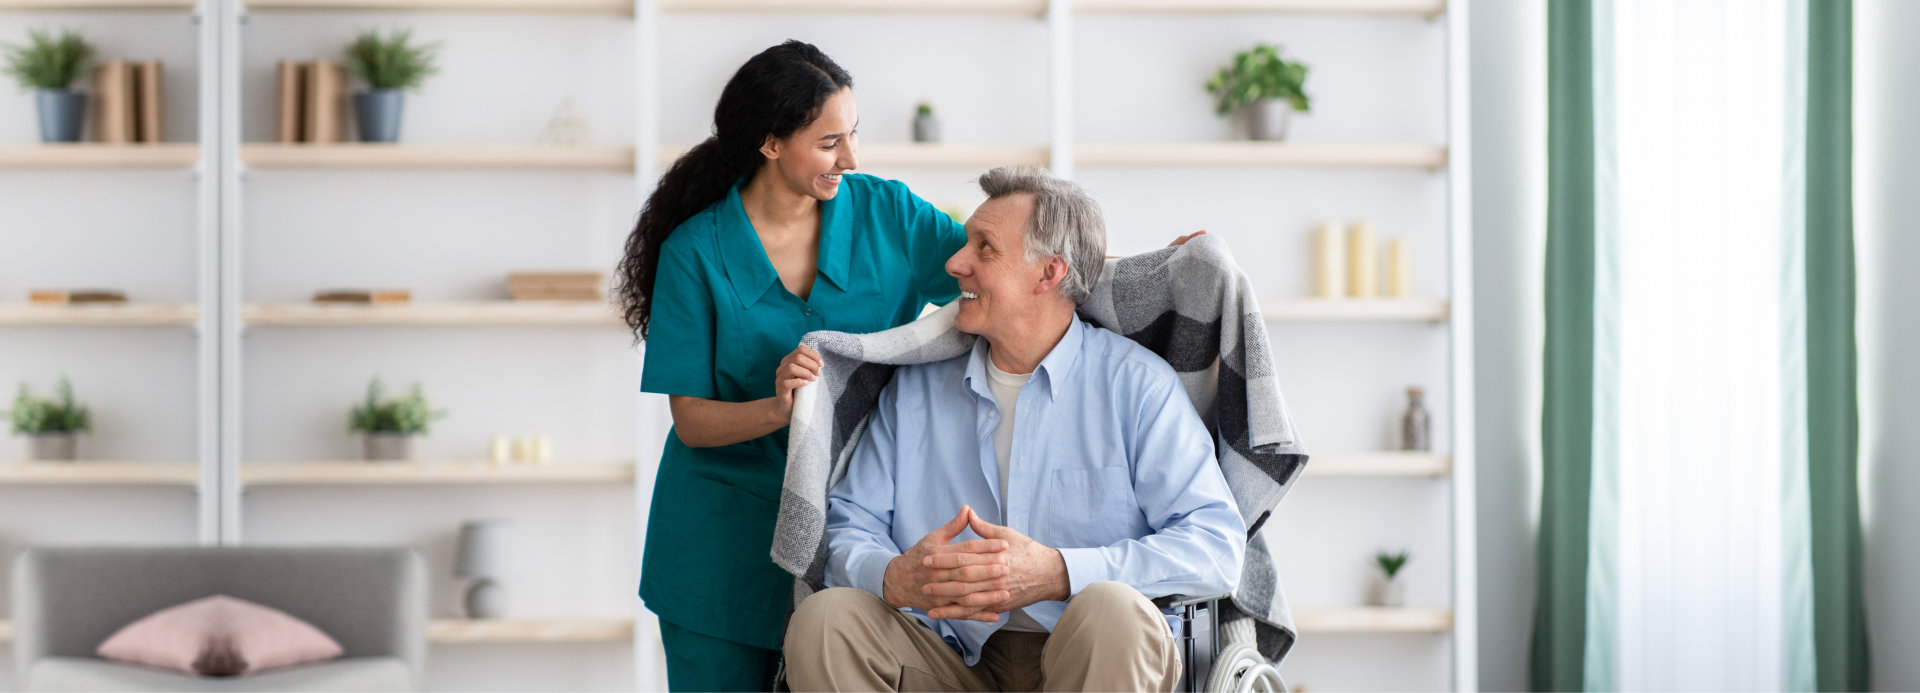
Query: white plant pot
{"type": "Point", "coordinates": [56, 446]}
{"type": "Point", "coordinates": [1389, 593]}
{"type": "Point", "coordinates": [390, 446]}
{"type": "Point", "coordinates": [1267, 119]}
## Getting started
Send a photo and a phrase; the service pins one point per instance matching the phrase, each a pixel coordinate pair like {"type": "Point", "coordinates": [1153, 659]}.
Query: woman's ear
{"type": "Point", "coordinates": [770, 147]}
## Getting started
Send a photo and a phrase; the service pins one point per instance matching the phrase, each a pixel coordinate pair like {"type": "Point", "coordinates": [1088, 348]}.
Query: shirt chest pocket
{"type": "Point", "coordinates": [1087, 508]}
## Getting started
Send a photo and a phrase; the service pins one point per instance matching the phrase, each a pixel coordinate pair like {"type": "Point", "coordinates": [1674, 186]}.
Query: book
{"type": "Point", "coordinates": [290, 89]}
{"type": "Point", "coordinates": [147, 81]}
{"type": "Point", "coordinates": [370, 296]}
{"type": "Point", "coordinates": [326, 85]}
{"type": "Point", "coordinates": [556, 286]}
{"type": "Point", "coordinates": [66, 296]}
{"type": "Point", "coordinates": [113, 102]}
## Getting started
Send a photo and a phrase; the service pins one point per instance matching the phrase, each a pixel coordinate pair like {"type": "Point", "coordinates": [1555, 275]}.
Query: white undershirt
{"type": "Point", "coordinates": [1006, 395]}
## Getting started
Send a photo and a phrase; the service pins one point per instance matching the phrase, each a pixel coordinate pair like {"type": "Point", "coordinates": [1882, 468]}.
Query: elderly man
{"type": "Point", "coordinates": [1067, 461]}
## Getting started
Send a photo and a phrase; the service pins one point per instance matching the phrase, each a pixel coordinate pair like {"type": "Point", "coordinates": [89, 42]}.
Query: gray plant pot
{"type": "Point", "coordinates": [62, 111]}
{"type": "Point", "coordinates": [390, 446]}
{"type": "Point", "coordinates": [486, 599]}
{"type": "Point", "coordinates": [926, 128]}
{"type": "Point", "coordinates": [377, 112]}
{"type": "Point", "coordinates": [56, 446]}
{"type": "Point", "coordinates": [1389, 592]}
{"type": "Point", "coordinates": [1267, 119]}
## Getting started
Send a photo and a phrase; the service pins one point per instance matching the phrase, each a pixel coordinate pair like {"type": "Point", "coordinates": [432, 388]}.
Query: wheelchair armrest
{"type": "Point", "coordinates": [1174, 601]}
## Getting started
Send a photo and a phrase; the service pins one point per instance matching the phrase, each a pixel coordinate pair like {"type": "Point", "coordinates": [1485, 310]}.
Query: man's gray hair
{"type": "Point", "coordinates": [1066, 223]}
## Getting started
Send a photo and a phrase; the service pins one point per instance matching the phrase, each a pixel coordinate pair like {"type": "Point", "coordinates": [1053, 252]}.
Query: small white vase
{"type": "Point", "coordinates": [56, 446]}
{"type": "Point", "coordinates": [389, 446]}
{"type": "Point", "coordinates": [1267, 119]}
{"type": "Point", "coordinates": [486, 599]}
{"type": "Point", "coordinates": [1388, 592]}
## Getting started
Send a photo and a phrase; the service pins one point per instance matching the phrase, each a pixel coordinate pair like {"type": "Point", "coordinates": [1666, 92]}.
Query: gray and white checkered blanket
{"type": "Point", "coordinates": [1190, 304]}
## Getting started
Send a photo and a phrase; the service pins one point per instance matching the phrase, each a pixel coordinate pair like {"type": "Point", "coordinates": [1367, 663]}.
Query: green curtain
{"type": "Point", "coordinates": [1560, 615]}
{"type": "Point", "coordinates": [1839, 614]}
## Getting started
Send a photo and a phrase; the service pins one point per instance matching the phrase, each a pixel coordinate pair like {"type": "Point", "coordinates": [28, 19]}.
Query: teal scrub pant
{"type": "Point", "coordinates": [698, 662]}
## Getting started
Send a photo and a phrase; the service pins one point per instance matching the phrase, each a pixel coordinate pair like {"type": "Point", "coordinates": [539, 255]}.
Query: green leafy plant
{"type": "Point", "coordinates": [394, 62]}
{"type": "Point", "coordinates": [408, 414]}
{"type": "Point", "coordinates": [1390, 563]}
{"type": "Point", "coordinates": [923, 108]}
{"type": "Point", "coordinates": [35, 416]}
{"type": "Point", "coordinates": [1260, 73]}
{"type": "Point", "coordinates": [47, 62]}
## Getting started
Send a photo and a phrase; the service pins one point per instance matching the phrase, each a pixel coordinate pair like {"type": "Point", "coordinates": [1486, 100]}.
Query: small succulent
{"type": "Point", "coordinates": [408, 414]}
{"type": "Point", "coordinates": [47, 62]}
{"type": "Point", "coordinates": [1390, 563]}
{"type": "Point", "coordinates": [34, 416]}
{"type": "Point", "coordinates": [923, 108]}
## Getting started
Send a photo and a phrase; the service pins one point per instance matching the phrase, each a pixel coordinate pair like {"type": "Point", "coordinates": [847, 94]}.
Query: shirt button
{"type": "Point", "coordinates": [809, 311]}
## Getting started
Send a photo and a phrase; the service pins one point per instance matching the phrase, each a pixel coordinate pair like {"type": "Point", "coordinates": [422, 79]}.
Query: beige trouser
{"type": "Point", "coordinates": [1110, 639]}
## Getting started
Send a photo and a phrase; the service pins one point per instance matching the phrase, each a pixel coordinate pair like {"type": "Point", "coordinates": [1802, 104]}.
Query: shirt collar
{"type": "Point", "coordinates": [1052, 371]}
{"type": "Point", "coordinates": [751, 271]}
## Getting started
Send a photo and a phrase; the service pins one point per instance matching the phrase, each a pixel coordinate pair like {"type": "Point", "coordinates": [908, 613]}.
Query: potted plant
{"type": "Point", "coordinates": [926, 125]}
{"type": "Point", "coordinates": [390, 66]}
{"type": "Point", "coordinates": [1267, 87]}
{"type": "Point", "coordinates": [49, 66]}
{"type": "Point", "coordinates": [54, 425]}
{"type": "Point", "coordinates": [1390, 590]}
{"type": "Point", "coordinates": [391, 426]}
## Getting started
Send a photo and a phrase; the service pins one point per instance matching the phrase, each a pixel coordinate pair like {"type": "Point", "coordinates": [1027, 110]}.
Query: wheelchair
{"type": "Point", "coordinates": [1240, 668]}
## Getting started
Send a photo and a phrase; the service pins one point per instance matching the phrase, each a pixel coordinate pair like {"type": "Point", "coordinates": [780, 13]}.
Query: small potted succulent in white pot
{"type": "Point", "coordinates": [1265, 87]}
{"type": "Point", "coordinates": [391, 67]}
{"type": "Point", "coordinates": [391, 426]}
{"type": "Point", "coordinates": [54, 425]}
{"type": "Point", "coordinates": [1390, 590]}
{"type": "Point", "coordinates": [49, 66]}
{"type": "Point", "coordinates": [926, 125]}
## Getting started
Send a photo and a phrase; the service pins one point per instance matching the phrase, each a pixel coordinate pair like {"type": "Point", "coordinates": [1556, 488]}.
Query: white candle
{"type": "Point", "coordinates": [1329, 273]}
{"type": "Point", "coordinates": [1362, 272]}
{"type": "Point", "coordinates": [1399, 269]}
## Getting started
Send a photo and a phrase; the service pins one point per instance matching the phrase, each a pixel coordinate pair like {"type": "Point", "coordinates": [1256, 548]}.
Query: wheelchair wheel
{"type": "Point", "coordinates": [1240, 668]}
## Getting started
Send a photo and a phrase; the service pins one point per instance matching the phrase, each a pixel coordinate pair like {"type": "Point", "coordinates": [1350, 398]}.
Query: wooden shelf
{"type": "Point", "coordinates": [361, 155]}
{"type": "Point", "coordinates": [1275, 154]}
{"type": "Point", "coordinates": [1373, 620]}
{"type": "Point", "coordinates": [362, 472]}
{"type": "Point", "coordinates": [1355, 310]}
{"type": "Point", "coordinates": [1029, 8]}
{"type": "Point", "coordinates": [94, 473]}
{"type": "Point", "coordinates": [98, 4]}
{"type": "Point", "coordinates": [98, 314]}
{"type": "Point", "coordinates": [530, 630]}
{"type": "Point", "coordinates": [89, 155]}
{"type": "Point", "coordinates": [924, 156]}
{"type": "Point", "coordinates": [1419, 8]}
{"type": "Point", "coordinates": [621, 7]}
{"type": "Point", "coordinates": [1380, 464]}
{"type": "Point", "coordinates": [450, 314]}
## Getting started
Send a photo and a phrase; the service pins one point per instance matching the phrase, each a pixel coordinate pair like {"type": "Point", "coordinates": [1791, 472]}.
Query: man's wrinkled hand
{"type": "Point", "coordinates": [979, 562]}
{"type": "Point", "coordinates": [1035, 573]}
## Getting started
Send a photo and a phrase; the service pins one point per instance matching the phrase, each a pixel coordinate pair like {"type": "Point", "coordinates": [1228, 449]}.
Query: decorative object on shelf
{"type": "Point", "coordinates": [365, 296]}
{"type": "Point", "coordinates": [1399, 269]}
{"type": "Point", "coordinates": [499, 450]}
{"type": "Point", "coordinates": [391, 426]}
{"type": "Point", "coordinates": [71, 296]}
{"type": "Point", "coordinates": [49, 66]}
{"type": "Point", "coordinates": [54, 425]}
{"type": "Point", "coordinates": [1265, 87]}
{"type": "Point", "coordinates": [390, 66]}
{"type": "Point", "coordinates": [533, 449]}
{"type": "Point", "coordinates": [1390, 591]}
{"type": "Point", "coordinates": [566, 127]}
{"type": "Point", "coordinates": [926, 125]}
{"type": "Point", "coordinates": [1329, 269]}
{"type": "Point", "coordinates": [126, 96]}
{"type": "Point", "coordinates": [483, 556]}
{"type": "Point", "coordinates": [1415, 425]}
{"type": "Point", "coordinates": [289, 88]}
{"type": "Point", "coordinates": [1362, 273]}
{"type": "Point", "coordinates": [557, 286]}
{"type": "Point", "coordinates": [325, 120]}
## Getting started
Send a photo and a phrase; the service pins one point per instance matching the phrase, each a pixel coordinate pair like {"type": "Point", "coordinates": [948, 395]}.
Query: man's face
{"type": "Point", "coordinates": [999, 288]}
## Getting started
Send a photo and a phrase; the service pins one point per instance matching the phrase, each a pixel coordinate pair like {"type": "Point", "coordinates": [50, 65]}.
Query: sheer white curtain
{"type": "Point", "coordinates": [1694, 260]}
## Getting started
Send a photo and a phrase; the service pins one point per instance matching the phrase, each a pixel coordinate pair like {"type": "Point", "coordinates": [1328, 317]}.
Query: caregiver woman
{"type": "Point", "coordinates": [755, 237]}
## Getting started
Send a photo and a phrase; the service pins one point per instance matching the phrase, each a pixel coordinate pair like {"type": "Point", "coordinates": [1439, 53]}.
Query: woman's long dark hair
{"type": "Point", "coordinates": [776, 93]}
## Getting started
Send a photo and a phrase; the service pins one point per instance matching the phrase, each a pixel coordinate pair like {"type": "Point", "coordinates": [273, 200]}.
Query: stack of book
{"type": "Point", "coordinates": [364, 296]}
{"type": "Point", "coordinates": [71, 296]}
{"type": "Point", "coordinates": [556, 286]}
{"type": "Point", "coordinates": [313, 102]}
{"type": "Point", "coordinates": [126, 102]}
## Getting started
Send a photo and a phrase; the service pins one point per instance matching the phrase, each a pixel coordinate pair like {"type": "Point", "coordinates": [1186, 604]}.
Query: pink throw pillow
{"type": "Point", "coordinates": [219, 636]}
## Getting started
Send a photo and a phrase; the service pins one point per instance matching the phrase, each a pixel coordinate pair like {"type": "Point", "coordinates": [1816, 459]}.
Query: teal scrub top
{"type": "Point", "coordinates": [721, 322]}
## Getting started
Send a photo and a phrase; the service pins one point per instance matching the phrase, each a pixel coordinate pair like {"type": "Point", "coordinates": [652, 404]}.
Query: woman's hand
{"type": "Point", "coordinates": [1188, 237]}
{"type": "Point", "coordinates": [798, 368]}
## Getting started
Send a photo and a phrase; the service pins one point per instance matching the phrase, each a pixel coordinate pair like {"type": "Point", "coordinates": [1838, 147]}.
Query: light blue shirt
{"type": "Point", "coordinates": [1111, 465]}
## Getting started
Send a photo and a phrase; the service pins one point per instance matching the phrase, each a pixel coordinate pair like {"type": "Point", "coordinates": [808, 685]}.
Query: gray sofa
{"type": "Point", "coordinates": [66, 601]}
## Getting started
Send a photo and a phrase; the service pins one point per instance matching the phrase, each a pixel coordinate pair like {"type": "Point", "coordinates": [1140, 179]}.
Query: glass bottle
{"type": "Point", "coordinates": [1415, 425]}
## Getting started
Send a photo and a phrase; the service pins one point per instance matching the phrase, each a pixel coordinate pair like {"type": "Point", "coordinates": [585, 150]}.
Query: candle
{"type": "Point", "coordinates": [499, 450]}
{"type": "Point", "coordinates": [1362, 275]}
{"type": "Point", "coordinates": [1328, 272]}
{"type": "Point", "coordinates": [1399, 269]}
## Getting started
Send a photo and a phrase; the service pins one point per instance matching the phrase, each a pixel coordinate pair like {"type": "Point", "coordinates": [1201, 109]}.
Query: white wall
{"type": "Point", "coordinates": [1886, 166]}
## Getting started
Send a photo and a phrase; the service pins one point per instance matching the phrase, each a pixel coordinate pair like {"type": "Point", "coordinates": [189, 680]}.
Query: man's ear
{"type": "Point", "coordinates": [1050, 278]}
{"type": "Point", "coordinates": [770, 148]}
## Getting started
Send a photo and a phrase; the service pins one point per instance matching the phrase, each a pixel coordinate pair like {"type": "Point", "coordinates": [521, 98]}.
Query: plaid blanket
{"type": "Point", "coordinates": [1190, 304]}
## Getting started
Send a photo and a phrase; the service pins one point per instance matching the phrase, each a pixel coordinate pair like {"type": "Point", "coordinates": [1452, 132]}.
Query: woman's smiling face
{"type": "Point", "coordinates": [809, 162]}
